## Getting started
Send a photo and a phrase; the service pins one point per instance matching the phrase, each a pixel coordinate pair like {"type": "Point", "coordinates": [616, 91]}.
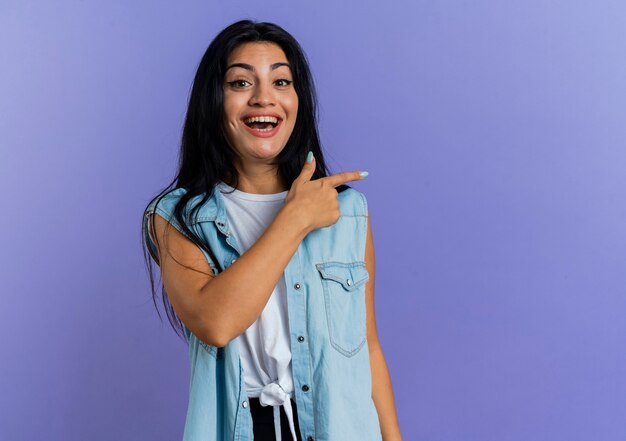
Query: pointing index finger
{"type": "Point", "coordinates": [341, 178]}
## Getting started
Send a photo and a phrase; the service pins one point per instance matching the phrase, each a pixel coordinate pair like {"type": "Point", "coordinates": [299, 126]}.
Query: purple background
{"type": "Point", "coordinates": [495, 137]}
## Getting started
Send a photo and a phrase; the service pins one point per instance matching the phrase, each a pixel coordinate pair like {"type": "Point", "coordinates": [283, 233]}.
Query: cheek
{"type": "Point", "coordinates": [291, 105]}
{"type": "Point", "coordinates": [231, 107]}
{"type": "Point", "coordinates": [294, 103]}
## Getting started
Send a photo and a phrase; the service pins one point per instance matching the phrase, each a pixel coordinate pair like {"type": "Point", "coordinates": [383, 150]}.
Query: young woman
{"type": "Point", "coordinates": [268, 272]}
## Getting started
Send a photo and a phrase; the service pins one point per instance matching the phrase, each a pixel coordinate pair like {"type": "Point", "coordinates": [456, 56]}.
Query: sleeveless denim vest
{"type": "Point", "coordinates": [325, 280]}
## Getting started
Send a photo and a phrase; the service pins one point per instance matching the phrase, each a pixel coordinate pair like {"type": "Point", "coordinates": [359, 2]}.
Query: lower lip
{"type": "Point", "coordinates": [261, 134]}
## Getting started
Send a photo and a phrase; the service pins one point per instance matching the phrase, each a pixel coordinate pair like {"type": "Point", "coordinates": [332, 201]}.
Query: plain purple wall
{"type": "Point", "coordinates": [495, 137]}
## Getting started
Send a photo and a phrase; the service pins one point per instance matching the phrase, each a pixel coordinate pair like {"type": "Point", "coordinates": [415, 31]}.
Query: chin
{"type": "Point", "coordinates": [270, 150]}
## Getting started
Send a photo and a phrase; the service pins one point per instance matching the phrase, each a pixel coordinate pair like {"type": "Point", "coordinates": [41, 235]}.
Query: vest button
{"type": "Point", "coordinates": [297, 286]}
{"type": "Point", "coordinates": [244, 404]}
{"type": "Point", "coordinates": [232, 261]}
{"type": "Point", "coordinates": [300, 339]}
{"type": "Point", "coordinates": [349, 282]}
{"type": "Point", "coordinates": [305, 388]}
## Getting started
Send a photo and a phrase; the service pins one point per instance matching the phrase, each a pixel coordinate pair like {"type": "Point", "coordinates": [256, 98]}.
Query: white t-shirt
{"type": "Point", "coordinates": [265, 346]}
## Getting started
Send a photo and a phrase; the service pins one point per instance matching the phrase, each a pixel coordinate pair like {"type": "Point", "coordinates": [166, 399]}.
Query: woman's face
{"type": "Point", "coordinates": [260, 102]}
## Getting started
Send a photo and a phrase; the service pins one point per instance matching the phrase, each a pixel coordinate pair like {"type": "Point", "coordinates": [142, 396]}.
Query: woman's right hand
{"type": "Point", "coordinates": [314, 202]}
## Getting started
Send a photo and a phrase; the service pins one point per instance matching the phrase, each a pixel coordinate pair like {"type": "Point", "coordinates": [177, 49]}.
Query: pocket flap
{"type": "Point", "coordinates": [349, 275]}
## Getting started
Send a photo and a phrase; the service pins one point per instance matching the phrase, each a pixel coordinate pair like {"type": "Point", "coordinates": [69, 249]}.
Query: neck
{"type": "Point", "coordinates": [258, 181]}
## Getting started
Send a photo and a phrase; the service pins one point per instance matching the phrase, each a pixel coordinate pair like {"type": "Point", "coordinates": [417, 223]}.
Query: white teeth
{"type": "Point", "coordinates": [269, 119]}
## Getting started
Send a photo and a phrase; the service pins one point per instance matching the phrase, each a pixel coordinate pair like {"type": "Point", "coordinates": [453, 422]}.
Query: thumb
{"type": "Point", "coordinates": [308, 168]}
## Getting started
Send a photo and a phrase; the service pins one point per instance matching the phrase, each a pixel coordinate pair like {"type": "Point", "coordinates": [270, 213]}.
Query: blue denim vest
{"type": "Point", "coordinates": [325, 280]}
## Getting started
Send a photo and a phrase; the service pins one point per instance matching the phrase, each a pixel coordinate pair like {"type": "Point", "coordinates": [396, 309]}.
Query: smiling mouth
{"type": "Point", "coordinates": [262, 124]}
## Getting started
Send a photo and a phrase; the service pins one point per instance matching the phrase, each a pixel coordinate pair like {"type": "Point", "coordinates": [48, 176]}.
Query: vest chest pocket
{"type": "Point", "coordinates": [344, 298]}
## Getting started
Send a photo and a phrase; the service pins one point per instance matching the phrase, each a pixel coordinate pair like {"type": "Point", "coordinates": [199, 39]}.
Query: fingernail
{"type": "Point", "coordinates": [364, 173]}
{"type": "Point", "coordinates": [309, 157]}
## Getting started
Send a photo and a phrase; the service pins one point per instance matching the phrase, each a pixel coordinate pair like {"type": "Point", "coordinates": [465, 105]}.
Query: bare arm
{"type": "Point", "coordinates": [219, 308]}
{"type": "Point", "coordinates": [222, 307]}
{"type": "Point", "coordinates": [382, 391]}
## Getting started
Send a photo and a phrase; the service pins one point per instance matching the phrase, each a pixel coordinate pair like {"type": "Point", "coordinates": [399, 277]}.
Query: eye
{"type": "Point", "coordinates": [238, 84]}
{"type": "Point", "coordinates": [283, 82]}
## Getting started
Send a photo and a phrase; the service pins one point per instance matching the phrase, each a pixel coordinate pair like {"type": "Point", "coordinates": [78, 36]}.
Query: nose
{"type": "Point", "coordinates": [263, 95]}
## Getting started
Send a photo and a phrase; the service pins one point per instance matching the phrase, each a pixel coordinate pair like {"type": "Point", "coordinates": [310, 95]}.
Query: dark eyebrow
{"type": "Point", "coordinates": [251, 68]}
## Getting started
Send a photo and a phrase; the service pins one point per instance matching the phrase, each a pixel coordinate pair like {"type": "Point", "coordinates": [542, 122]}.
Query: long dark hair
{"type": "Point", "coordinates": [205, 157]}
